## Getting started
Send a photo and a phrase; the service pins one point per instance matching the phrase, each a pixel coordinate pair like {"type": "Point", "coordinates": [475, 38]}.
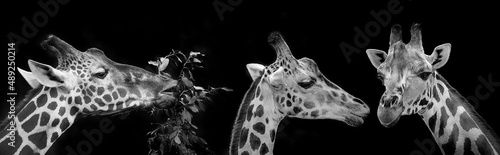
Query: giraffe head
{"type": "Point", "coordinates": [407, 73]}
{"type": "Point", "coordinates": [300, 89]}
{"type": "Point", "coordinates": [93, 83]}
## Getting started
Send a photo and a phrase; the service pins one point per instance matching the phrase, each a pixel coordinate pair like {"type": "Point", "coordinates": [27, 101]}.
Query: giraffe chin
{"type": "Point", "coordinates": [354, 120]}
{"type": "Point", "coordinates": [389, 116]}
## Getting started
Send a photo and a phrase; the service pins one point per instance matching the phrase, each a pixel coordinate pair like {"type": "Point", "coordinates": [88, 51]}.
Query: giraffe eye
{"type": "Point", "coordinates": [307, 83]}
{"type": "Point", "coordinates": [101, 75]}
{"type": "Point", "coordinates": [424, 75]}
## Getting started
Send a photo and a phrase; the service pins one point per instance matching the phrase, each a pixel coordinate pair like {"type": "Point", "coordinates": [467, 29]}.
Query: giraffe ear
{"type": "Point", "coordinates": [46, 75]}
{"type": "Point", "coordinates": [377, 57]}
{"type": "Point", "coordinates": [255, 70]}
{"type": "Point", "coordinates": [29, 78]}
{"type": "Point", "coordinates": [440, 56]}
{"type": "Point", "coordinates": [276, 78]}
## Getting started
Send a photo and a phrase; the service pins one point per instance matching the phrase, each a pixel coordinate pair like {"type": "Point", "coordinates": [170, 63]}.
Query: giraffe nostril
{"type": "Point", "coordinates": [388, 101]}
{"type": "Point", "coordinates": [358, 101]}
{"type": "Point", "coordinates": [391, 101]}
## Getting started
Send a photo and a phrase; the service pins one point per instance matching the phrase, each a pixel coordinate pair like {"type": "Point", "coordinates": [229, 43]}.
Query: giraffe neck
{"type": "Point", "coordinates": [257, 122]}
{"type": "Point", "coordinates": [455, 125]}
{"type": "Point", "coordinates": [44, 116]}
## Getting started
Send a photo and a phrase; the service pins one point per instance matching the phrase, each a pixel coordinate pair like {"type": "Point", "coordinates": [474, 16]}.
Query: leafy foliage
{"type": "Point", "coordinates": [176, 134]}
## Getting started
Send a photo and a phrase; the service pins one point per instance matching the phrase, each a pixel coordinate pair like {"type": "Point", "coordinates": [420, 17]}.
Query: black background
{"type": "Point", "coordinates": [135, 32]}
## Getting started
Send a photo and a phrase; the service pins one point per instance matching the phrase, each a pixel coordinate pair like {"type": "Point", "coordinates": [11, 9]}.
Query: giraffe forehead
{"type": "Point", "coordinates": [404, 63]}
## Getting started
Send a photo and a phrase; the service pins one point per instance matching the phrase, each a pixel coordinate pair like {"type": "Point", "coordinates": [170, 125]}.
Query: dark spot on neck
{"type": "Point", "coordinates": [451, 106]}
{"type": "Point", "coordinates": [264, 149]}
{"type": "Point", "coordinates": [483, 146]}
{"type": "Point", "coordinates": [39, 139]}
{"type": "Point", "coordinates": [64, 124]}
{"type": "Point", "coordinates": [243, 136]}
{"type": "Point", "coordinates": [435, 94]}
{"type": "Point", "coordinates": [254, 142]}
{"type": "Point", "coordinates": [55, 122]}
{"type": "Point", "coordinates": [259, 127]}
{"type": "Point", "coordinates": [54, 137]}
{"type": "Point", "coordinates": [44, 119]}
{"type": "Point", "coordinates": [53, 92]}
{"type": "Point", "coordinates": [466, 122]}
{"type": "Point", "coordinates": [467, 146]}
{"type": "Point", "coordinates": [444, 119]}
{"type": "Point", "coordinates": [27, 150]}
{"type": "Point", "coordinates": [441, 88]}
{"type": "Point", "coordinates": [73, 111]}
{"type": "Point", "coordinates": [432, 122]}
{"type": "Point", "coordinates": [41, 100]}
{"type": "Point", "coordinates": [70, 100]}
{"type": "Point", "coordinates": [272, 134]}
{"type": "Point", "coordinates": [26, 111]}
{"type": "Point", "coordinates": [259, 112]}
{"type": "Point", "coordinates": [30, 124]}
{"type": "Point", "coordinates": [257, 93]}
{"type": "Point", "coordinates": [78, 100]}
{"type": "Point", "coordinates": [245, 153]}
{"type": "Point", "coordinates": [249, 112]}
{"type": "Point", "coordinates": [52, 106]}
{"type": "Point", "coordinates": [450, 146]}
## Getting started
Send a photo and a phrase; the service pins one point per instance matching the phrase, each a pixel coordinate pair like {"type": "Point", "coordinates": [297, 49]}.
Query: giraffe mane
{"type": "Point", "coordinates": [240, 119]}
{"type": "Point", "coordinates": [472, 112]}
{"type": "Point", "coordinates": [20, 106]}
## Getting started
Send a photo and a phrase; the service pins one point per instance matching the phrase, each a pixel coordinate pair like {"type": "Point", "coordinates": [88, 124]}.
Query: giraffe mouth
{"type": "Point", "coordinates": [354, 120]}
{"type": "Point", "coordinates": [166, 98]}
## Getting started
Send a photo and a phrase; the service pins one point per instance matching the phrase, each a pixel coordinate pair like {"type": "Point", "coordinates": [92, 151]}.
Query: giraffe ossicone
{"type": "Point", "coordinates": [83, 84]}
{"type": "Point", "coordinates": [413, 86]}
{"type": "Point", "coordinates": [288, 87]}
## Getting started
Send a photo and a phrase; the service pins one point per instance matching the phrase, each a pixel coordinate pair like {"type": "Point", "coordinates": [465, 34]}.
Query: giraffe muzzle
{"type": "Point", "coordinates": [57, 46]}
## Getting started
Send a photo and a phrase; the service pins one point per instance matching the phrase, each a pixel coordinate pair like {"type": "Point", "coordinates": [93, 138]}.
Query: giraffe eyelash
{"type": "Point", "coordinates": [101, 75]}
